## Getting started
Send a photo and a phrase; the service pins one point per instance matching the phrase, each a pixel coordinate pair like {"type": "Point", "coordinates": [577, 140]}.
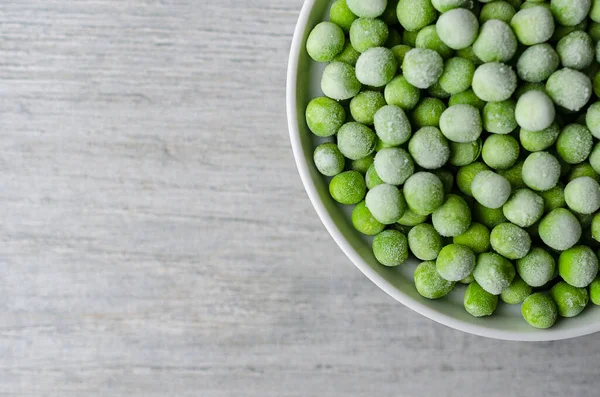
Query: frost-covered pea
{"type": "Point", "coordinates": [560, 229]}
{"type": "Point", "coordinates": [570, 12]}
{"type": "Point", "coordinates": [355, 140]}
{"type": "Point", "coordinates": [490, 217]}
{"type": "Point", "coordinates": [455, 262]}
{"type": "Point", "coordinates": [447, 5]}
{"type": "Point", "coordinates": [536, 141]}
{"type": "Point", "coordinates": [539, 310]}
{"type": "Point", "coordinates": [325, 41]}
{"type": "Point", "coordinates": [554, 198]}
{"type": "Point", "coordinates": [496, 42]}
{"type": "Point", "coordinates": [592, 119]}
{"type": "Point", "coordinates": [364, 106]}
{"type": "Point", "coordinates": [367, 9]}
{"type": "Point", "coordinates": [537, 63]}
{"type": "Point", "coordinates": [390, 248]}
{"type": "Point", "coordinates": [499, 117]}
{"type": "Point", "coordinates": [457, 76]}
{"type": "Point", "coordinates": [569, 88]}
{"type": "Point", "coordinates": [541, 171]}
{"type": "Point", "coordinates": [411, 219]}
{"type": "Point", "coordinates": [348, 187]}
{"type": "Point", "coordinates": [371, 177]}
{"type": "Point", "coordinates": [341, 15]}
{"type": "Point", "coordinates": [569, 300]}
{"type": "Point", "coordinates": [457, 28]}
{"type": "Point", "coordinates": [364, 222]}
{"type": "Point", "coordinates": [478, 302]}
{"type": "Point", "coordinates": [467, 97]}
{"type": "Point", "coordinates": [574, 144]}
{"type": "Point", "coordinates": [422, 67]}
{"type": "Point", "coordinates": [415, 14]}
{"type": "Point", "coordinates": [401, 93]}
{"type": "Point", "coordinates": [464, 153]}
{"type": "Point", "coordinates": [494, 82]}
{"type": "Point", "coordinates": [428, 113]}
{"type": "Point", "coordinates": [576, 50]}
{"type": "Point", "coordinates": [394, 165]}
{"type": "Point", "coordinates": [500, 10]}
{"type": "Point", "coordinates": [429, 283]}
{"type": "Point", "coordinates": [386, 203]}
{"type": "Point", "coordinates": [476, 237]}
{"type": "Point", "coordinates": [429, 39]}
{"type": "Point", "coordinates": [324, 116]}
{"type": "Point", "coordinates": [535, 111]}
{"type": "Point", "coordinates": [328, 159]}
{"type": "Point", "coordinates": [490, 189]}
{"type": "Point", "coordinates": [367, 33]}
{"type": "Point", "coordinates": [533, 25]}
{"type": "Point", "coordinates": [461, 123]}
{"type": "Point", "coordinates": [424, 242]}
{"type": "Point", "coordinates": [376, 67]}
{"type": "Point", "coordinates": [582, 195]}
{"type": "Point", "coordinates": [500, 151]}
{"type": "Point", "coordinates": [453, 218]}
{"type": "Point", "coordinates": [516, 292]}
{"type": "Point", "coordinates": [524, 208]}
{"type": "Point", "coordinates": [339, 81]}
{"type": "Point", "coordinates": [348, 55]}
{"type": "Point", "coordinates": [466, 174]}
{"type": "Point", "coordinates": [536, 268]}
{"type": "Point", "coordinates": [392, 125]}
{"type": "Point", "coordinates": [493, 273]}
{"type": "Point", "coordinates": [424, 193]}
{"type": "Point", "coordinates": [514, 175]}
{"type": "Point", "coordinates": [510, 241]}
{"type": "Point", "coordinates": [429, 148]}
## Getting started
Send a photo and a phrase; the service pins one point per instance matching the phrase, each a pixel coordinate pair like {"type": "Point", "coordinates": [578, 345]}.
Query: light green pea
{"type": "Point", "coordinates": [510, 241]}
{"type": "Point", "coordinates": [464, 153]}
{"type": "Point", "coordinates": [328, 159]}
{"type": "Point", "coordinates": [428, 38]}
{"type": "Point", "coordinates": [348, 187]}
{"type": "Point", "coordinates": [574, 144]}
{"type": "Point", "coordinates": [457, 76]}
{"type": "Point", "coordinates": [466, 174]}
{"type": "Point", "coordinates": [424, 193]}
{"type": "Point", "coordinates": [500, 151]}
{"type": "Point", "coordinates": [428, 112]}
{"type": "Point", "coordinates": [499, 117]}
{"type": "Point", "coordinates": [539, 310]}
{"type": "Point", "coordinates": [478, 302]}
{"type": "Point", "coordinates": [560, 229]}
{"type": "Point", "coordinates": [429, 283]}
{"type": "Point", "coordinates": [364, 106]}
{"type": "Point", "coordinates": [390, 248]}
{"type": "Point", "coordinates": [367, 33]}
{"type": "Point", "coordinates": [364, 222]}
{"type": "Point", "coordinates": [453, 217]}
{"type": "Point", "coordinates": [536, 141]}
{"type": "Point", "coordinates": [325, 41]}
{"type": "Point", "coordinates": [339, 81]}
{"type": "Point", "coordinates": [493, 273]}
{"type": "Point", "coordinates": [476, 237]}
{"type": "Point", "coordinates": [536, 268]}
{"type": "Point", "coordinates": [424, 242]}
{"type": "Point", "coordinates": [324, 116]}
{"type": "Point", "coordinates": [569, 300]}
{"type": "Point", "coordinates": [340, 14]}
{"type": "Point", "coordinates": [516, 292]}
{"type": "Point", "coordinates": [401, 93]}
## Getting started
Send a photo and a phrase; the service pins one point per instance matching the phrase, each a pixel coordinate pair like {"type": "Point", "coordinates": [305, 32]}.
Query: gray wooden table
{"type": "Point", "coordinates": [156, 239]}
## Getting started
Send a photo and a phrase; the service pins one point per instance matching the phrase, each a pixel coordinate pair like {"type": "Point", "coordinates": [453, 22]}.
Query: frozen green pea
{"type": "Point", "coordinates": [582, 195]}
{"type": "Point", "coordinates": [594, 31]}
{"type": "Point", "coordinates": [410, 38]}
{"type": "Point", "coordinates": [570, 300]}
{"type": "Point", "coordinates": [376, 67]}
{"type": "Point", "coordinates": [574, 144]}
{"type": "Point", "coordinates": [476, 237]}
{"type": "Point", "coordinates": [536, 141]}
{"type": "Point", "coordinates": [499, 117]}
{"type": "Point", "coordinates": [428, 113]}
{"type": "Point", "coordinates": [592, 119]}
{"type": "Point", "coordinates": [458, 28]}
{"type": "Point", "coordinates": [500, 151]}
{"type": "Point", "coordinates": [429, 39]}
{"type": "Point", "coordinates": [553, 198]}
{"type": "Point", "coordinates": [364, 222]}
{"type": "Point", "coordinates": [539, 310]}
{"type": "Point", "coordinates": [464, 153]}
{"type": "Point", "coordinates": [429, 148]}
{"type": "Point", "coordinates": [570, 12]}
{"type": "Point", "coordinates": [364, 106]}
{"type": "Point", "coordinates": [533, 25]}
{"type": "Point", "coordinates": [362, 165]}
{"type": "Point", "coordinates": [415, 14]}
{"type": "Point", "coordinates": [467, 97]}
{"type": "Point", "coordinates": [490, 217]}
{"type": "Point", "coordinates": [399, 52]}
{"type": "Point", "coordinates": [524, 208]}
{"type": "Point", "coordinates": [348, 187]}
{"type": "Point", "coordinates": [429, 283]}
{"type": "Point", "coordinates": [569, 88]}
{"type": "Point", "coordinates": [500, 10]}
{"type": "Point", "coordinates": [516, 292]}
{"type": "Point", "coordinates": [455, 262]}
{"type": "Point", "coordinates": [496, 42]}
{"type": "Point", "coordinates": [576, 50]}
{"type": "Point", "coordinates": [341, 15]}
{"type": "Point", "coordinates": [595, 11]}
{"type": "Point", "coordinates": [371, 177]}
{"type": "Point", "coordinates": [325, 41]}
{"type": "Point", "coordinates": [541, 171]}
{"type": "Point", "coordinates": [461, 123]}
{"type": "Point", "coordinates": [390, 248]}
{"type": "Point", "coordinates": [424, 193]}
{"type": "Point", "coordinates": [447, 5]}
{"type": "Point", "coordinates": [453, 217]}
{"type": "Point", "coordinates": [535, 111]}
{"type": "Point", "coordinates": [348, 55]}
{"type": "Point", "coordinates": [447, 179]}
{"type": "Point", "coordinates": [411, 219]}
{"type": "Point", "coordinates": [422, 67]}
{"type": "Point", "coordinates": [560, 229]}
{"type": "Point", "coordinates": [328, 159]}
{"type": "Point", "coordinates": [493, 273]}
{"type": "Point", "coordinates": [394, 165]}
{"type": "Point", "coordinates": [536, 268]}
{"type": "Point", "coordinates": [339, 81]}
{"type": "Point", "coordinates": [367, 33]}
{"type": "Point", "coordinates": [392, 125]}
{"type": "Point", "coordinates": [537, 63]}
{"type": "Point", "coordinates": [457, 75]}
{"type": "Point", "coordinates": [436, 91]}
{"type": "Point", "coordinates": [490, 189]}
{"type": "Point", "coordinates": [386, 203]}
{"type": "Point", "coordinates": [324, 116]}
{"type": "Point", "coordinates": [401, 93]}
{"type": "Point", "coordinates": [478, 302]}
{"type": "Point", "coordinates": [494, 82]}
{"type": "Point", "coordinates": [595, 291]}
{"type": "Point", "coordinates": [466, 174]}
{"type": "Point", "coordinates": [510, 241]}
{"type": "Point", "coordinates": [367, 9]}
{"type": "Point", "coordinates": [355, 140]}
{"type": "Point", "coordinates": [424, 242]}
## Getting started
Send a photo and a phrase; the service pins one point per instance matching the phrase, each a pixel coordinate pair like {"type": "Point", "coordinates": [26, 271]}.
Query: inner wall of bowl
{"type": "Point", "coordinates": [506, 323]}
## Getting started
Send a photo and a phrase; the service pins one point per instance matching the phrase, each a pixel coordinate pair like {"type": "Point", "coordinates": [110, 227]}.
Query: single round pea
{"type": "Point", "coordinates": [496, 42]}
{"type": "Point", "coordinates": [386, 203]}
{"type": "Point", "coordinates": [376, 67]}
{"type": "Point", "coordinates": [510, 241]}
{"type": "Point", "coordinates": [576, 50]}
{"type": "Point", "coordinates": [364, 222]}
{"type": "Point", "coordinates": [467, 97]}
{"type": "Point", "coordinates": [429, 148]}
{"type": "Point", "coordinates": [478, 302]}
{"type": "Point", "coordinates": [464, 153]}
{"type": "Point", "coordinates": [328, 159]}
{"type": "Point", "coordinates": [415, 14]}
{"type": "Point", "coordinates": [457, 76]}
{"type": "Point", "coordinates": [424, 193]}
{"type": "Point", "coordinates": [390, 248]}
{"type": "Point", "coordinates": [570, 300]}
{"type": "Point", "coordinates": [461, 123]}
{"type": "Point", "coordinates": [428, 112]}
{"type": "Point", "coordinates": [578, 266]}
{"type": "Point", "coordinates": [424, 242]}
{"type": "Point", "coordinates": [428, 38]}
{"type": "Point", "coordinates": [537, 63]}
{"type": "Point", "coordinates": [392, 125]}
{"type": "Point", "coordinates": [476, 237]}
{"type": "Point", "coordinates": [536, 268]}
{"type": "Point", "coordinates": [500, 151]}
{"type": "Point", "coordinates": [533, 25]}
{"type": "Point", "coordinates": [490, 189]}
{"type": "Point", "coordinates": [560, 229]}
{"type": "Point", "coordinates": [553, 198]}
{"type": "Point", "coordinates": [367, 33]}
{"type": "Point", "coordinates": [348, 55]}
{"type": "Point", "coordinates": [595, 291]}
{"type": "Point", "coordinates": [367, 9]}
{"type": "Point", "coordinates": [516, 292]}
{"type": "Point", "coordinates": [499, 117]}
{"type": "Point", "coordinates": [447, 5]}
{"type": "Point", "coordinates": [447, 179]}
{"type": "Point", "coordinates": [401, 93]}
{"type": "Point", "coordinates": [324, 116]}
{"type": "Point", "coordinates": [592, 119]}
{"type": "Point", "coordinates": [541, 171]}
{"type": "Point", "coordinates": [339, 81]}
{"type": "Point", "coordinates": [569, 88]}
{"type": "Point", "coordinates": [493, 273]}
{"type": "Point", "coordinates": [422, 67]}
{"type": "Point", "coordinates": [494, 82]}
{"type": "Point", "coordinates": [455, 262]}
{"type": "Point", "coordinates": [355, 140]}
{"type": "Point", "coordinates": [453, 218]}
{"type": "Point", "coordinates": [490, 217]}
{"type": "Point", "coordinates": [514, 175]}
{"type": "Point", "coordinates": [574, 143]}
{"type": "Point", "coordinates": [372, 178]}
{"type": "Point", "coordinates": [536, 141]}
{"type": "Point", "coordinates": [348, 187]}
{"type": "Point", "coordinates": [341, 15]}
{"type": "Point", "coordinates": [411, 219]}
{"type": "Point", "coordinates": [524, 208]}
{"type": "Point", "coordinates": [570, 12]}
{"type": "Point", "coordinates": [500, 10]}
{"type": "Point", "coordinates": [394, 165]}
{"type": "Point", "coordinates": [364, 106]}
{"type": "Point", "coordinates": [325, 41]}
{"type": "Point", "coordinates": [429, 283]}
{"type": "Point", "coordinates": [436, 91]}
{"type": "Point", "coordinates": [534, 111]}
{"type": "Point", "coordinates": [457, 28]}
{"type": "Point", "coordinates": [539, 310]}
{"type": "Point", "coordinates": [582, 195]}
{"type": "Point", "coordinates": [466, 174]}
{"type": "Point", "coordinates": [399, 52]}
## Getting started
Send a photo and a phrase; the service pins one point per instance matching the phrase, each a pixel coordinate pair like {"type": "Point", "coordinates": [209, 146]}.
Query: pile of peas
{"type": "Point", "coordinates": [466, 134]}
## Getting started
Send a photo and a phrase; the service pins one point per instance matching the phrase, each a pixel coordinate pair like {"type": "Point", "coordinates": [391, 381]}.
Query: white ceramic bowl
{"type": "Point", "coordinates": [302, 85]}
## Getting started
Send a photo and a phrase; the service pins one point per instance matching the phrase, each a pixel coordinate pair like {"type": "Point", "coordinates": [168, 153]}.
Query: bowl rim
{"type": "Point", "coordinates": [309, 185]}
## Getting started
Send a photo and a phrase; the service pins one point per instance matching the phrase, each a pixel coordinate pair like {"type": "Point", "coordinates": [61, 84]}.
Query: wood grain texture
{"type": "Point", "coordinates": [156, 239]}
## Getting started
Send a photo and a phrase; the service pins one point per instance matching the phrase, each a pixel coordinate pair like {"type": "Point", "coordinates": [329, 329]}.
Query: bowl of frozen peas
{"type": "Point", "coordinates": [452, 150]}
